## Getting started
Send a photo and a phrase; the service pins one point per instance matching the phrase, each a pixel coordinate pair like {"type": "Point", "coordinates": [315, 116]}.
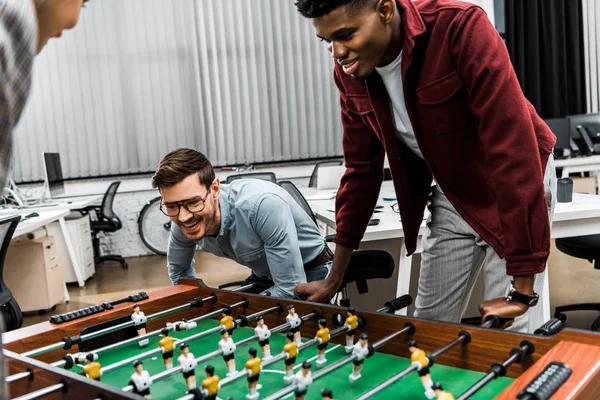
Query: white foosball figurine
{"type": "Point", "coordinates": [182, 325]}
{"type": "Point", "coordinates": [139, 323]}
{"type": "Point", "coordinates": [302, 380]}
{"type": "Point", "coordinates": [188, 363]}
{"type": "Point", "coordinates": [228, 347]}
{"type": "Point", "coordinates": [140, 380]}
{"type": "Point", "coordinates": [263, 333]}
{"type": "Point", "coordinates": [295, 321]}
{"type": "Point", "coordinates": [361, 351]}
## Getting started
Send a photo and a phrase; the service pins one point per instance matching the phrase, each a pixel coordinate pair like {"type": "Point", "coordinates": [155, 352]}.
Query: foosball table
{"type": "Point", "coordinates": [244, 346]}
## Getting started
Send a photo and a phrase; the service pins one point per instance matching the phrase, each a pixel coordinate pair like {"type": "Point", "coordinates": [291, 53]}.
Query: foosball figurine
{"type": "Point", "coordinates": [77, 358]}
{"type": "Point", "coordinates": [228, 347]}
{"type": "Point", "coordinates": [253, 368]}
{"type": "Point", "coordinates": [322, 337]}
{"type": "Point", "coordinates": [263, 333]}
{"type": "Point", "coordinates": [227, 321]}
{"type": "Point", "coordinates": [188, 363]}
{"type": "Point", "coordinates": [351, 325]}
{"type": "Point", "coordinates": [166, 344]}
{"type": "Point", "coordinates": [291, 351]}
{"type": "Point", "coordinates": [182, 325]}
{"type": "Point", "coordinates": [440, 393]}
{"type": "Point", "coordinates": [420, 360]}
{"type": "Point", "coordinates": [139, 323]}
{"type": "Point", "coordinates": [326, 394]}
{"type": "Point", "coordinates": [92, 367]}
{"type": "Point", "coordinates": [210, 384]}
{"type": "Point", "coordinates": [295, 321]}
{"type": "Point", "coordinates": [302, 380]}
{"type": "Point", "coordinates": [140, 380]}
{"type": "Point", "coordinates": [361, 351]}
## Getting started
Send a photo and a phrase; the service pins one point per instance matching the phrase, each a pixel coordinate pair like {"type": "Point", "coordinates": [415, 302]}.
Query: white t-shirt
{"type": "Point", "coordinates": [187, 363]}
{"type": "Point", "coordinates": [302, 382]}
{"type": "Point", "coordinates": [263, 333]}
{"type": "Point", "coordinates": [294, 320]}
{"type": "Point", "coordinates": [359, 351]}
{"type": "Point", "coordinates": [227, 347]}
{"type": "Point", "coordinates": [141, 382]}
{"type": "Point", "coordinates": [138, 319]}
{"type": "Point", "coordinates": [391, 75]}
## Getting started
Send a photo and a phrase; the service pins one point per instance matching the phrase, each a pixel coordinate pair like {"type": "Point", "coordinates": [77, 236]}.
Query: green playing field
{"type": "Point", "coordinates": [375, 370]}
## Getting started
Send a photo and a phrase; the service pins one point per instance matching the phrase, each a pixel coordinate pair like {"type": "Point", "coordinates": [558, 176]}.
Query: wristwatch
{"type": "Point", "coordinates": [518, 297]}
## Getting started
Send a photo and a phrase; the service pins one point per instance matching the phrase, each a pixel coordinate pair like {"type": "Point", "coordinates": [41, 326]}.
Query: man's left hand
{"type": "Point", "coordinates": [507, 311]}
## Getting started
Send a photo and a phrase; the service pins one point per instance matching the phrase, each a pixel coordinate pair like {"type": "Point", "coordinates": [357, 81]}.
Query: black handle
{"type": "Point", "coordinates": [399, 303]}
{"type": "Point", "coordinates": [550, 328]}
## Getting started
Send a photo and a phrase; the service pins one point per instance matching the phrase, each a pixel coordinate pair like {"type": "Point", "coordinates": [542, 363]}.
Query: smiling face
{"type": "Point", "coordinates": [55, 16]}
{"type": "Point", "coordinates": [195, 225]}
{"type": "Point", "coordinates": [362, 38]}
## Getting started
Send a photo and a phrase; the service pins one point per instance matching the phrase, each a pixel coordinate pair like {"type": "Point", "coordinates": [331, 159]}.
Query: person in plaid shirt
{"type": "Point", "coordinates": [25, 28]}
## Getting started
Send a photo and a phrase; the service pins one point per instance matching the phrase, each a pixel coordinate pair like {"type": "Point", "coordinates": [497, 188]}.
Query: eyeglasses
{"type": "Point", "coordinates": [395, 208]}
{"type": "Point", "coordinates": [193, 205]}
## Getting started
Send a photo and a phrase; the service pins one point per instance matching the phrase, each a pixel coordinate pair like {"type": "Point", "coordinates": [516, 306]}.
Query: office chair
{"type": "Point", "coordinates": [586, 247]}
{"type": "Point", "coordinates": [9, 308]}
{"type": "Point", "coordinates": [105, 221]}
{"type": "Point", "coordinates": [363, 265]}
{"type": "Point", "coordinates": [314, 177]}
{"type": "Point", "coordinates": [265, 176]}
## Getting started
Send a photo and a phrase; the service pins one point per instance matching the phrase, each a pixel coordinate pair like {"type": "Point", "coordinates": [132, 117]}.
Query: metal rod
{"type": "Point", "coordinates": [448, 346]}
{"type": "Point", "coordinates": [42, 392]}
{"type": "Point", "coordinates": [493, 374]}
{"type": "Point", "coordinates": [59, 345]}
{"type": "Point", "coordinates": [174, 370]}
{"type": "Point", "coordinates": [337, 364]}
{"type": "Point", "coordinates": [17, 377]}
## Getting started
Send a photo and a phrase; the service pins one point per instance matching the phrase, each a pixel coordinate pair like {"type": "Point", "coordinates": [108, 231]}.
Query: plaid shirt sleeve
{"type": "Point", "coordinates": [18, 43]}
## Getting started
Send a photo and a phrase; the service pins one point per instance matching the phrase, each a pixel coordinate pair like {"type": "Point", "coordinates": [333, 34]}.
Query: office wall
{"type": "Point", "coordinates": [242, 81]}
{"type": "Point", "coordinates": [591, 40]}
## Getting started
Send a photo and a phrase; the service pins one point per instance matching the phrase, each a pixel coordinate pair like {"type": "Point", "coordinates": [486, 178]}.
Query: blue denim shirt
{"type": "Point", "coordinates": [263, 228]}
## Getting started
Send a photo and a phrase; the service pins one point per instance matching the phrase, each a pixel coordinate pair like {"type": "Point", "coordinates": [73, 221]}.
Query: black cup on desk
{"type": "Point", "coordinates": [564, 191]}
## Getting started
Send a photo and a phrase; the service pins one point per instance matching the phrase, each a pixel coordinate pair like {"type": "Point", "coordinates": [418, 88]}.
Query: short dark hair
{"type": "Point", "coordinates": [210, 369]}
{"type": "Point", "coordinates": [318, 8]}
{"type": "Point", "coordinates": [183, 346]}
{"type": "Point", "coordinates": [181, 163]}
{"type": "Point", "coordinates": [164, 331]}
{"type": "Point", "coordinates": [89, 356]}
{"type": "Point", "coordinates": [412, 343]}
{"type": "Point", "coordinates": [136, 363]}
{"type": "Point", "coordinates": [363, 336]}
{"type": "Point", "coordinates": [252, 351]}
{"type": "Point", "coordinates": [290, 335]}
{"type": "Point", "coordinates": [306, 365]}
{"type": "Point", "coordinates": [351, 310]}
{"type": "Point", "coordinates": [326, 392]}
{"type": "Point", "coordinates": [436, 386]}
{"type": "Point", "coordinates": [323, 322]}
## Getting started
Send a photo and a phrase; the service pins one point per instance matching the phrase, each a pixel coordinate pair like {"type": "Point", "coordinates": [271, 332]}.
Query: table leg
{"type": "Point", "coordinates": [67, 295]}
{"type": "Point", "coordinates": [546, 314]}
{"type": "Point", "coordinates": [71, 250]}
{"type": "Point", "coordinates": [404, 271]}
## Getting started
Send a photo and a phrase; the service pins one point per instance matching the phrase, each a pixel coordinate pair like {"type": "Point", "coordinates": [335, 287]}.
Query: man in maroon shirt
{"type": "Point", "coordinates": [430, 84]}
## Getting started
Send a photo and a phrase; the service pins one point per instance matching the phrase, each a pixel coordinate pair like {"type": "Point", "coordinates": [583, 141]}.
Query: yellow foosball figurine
{"type": "Point", "coordinates": [440, 393]}
{"type": "Point", "coordinates": [420, 360]}
{"type": "Point", "coordinates": [166, 344]}
{"type": "Point", "coordinates": [92, 368]}
{"type": "Point", "coordinates": [210, 385]}
{"type": "Point", "coordinates": [351, 325]}
{"type": "Point", "coordinates": [227, 321]}
{"type": "Point", "coordinates": [291, 350]}
{"type": "Point", "coordinates": [322, 337]}
{"type": "Point", "coordinates": [253, 368]}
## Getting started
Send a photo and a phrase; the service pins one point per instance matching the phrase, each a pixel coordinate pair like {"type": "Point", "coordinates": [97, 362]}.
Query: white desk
{"type": "Point", "coordinates": [34, 223]}
{"type": "Point", "coordinates": [580, 217]}
{"type": "Point", "coordinates": [64, 208]}
{"type": "Point", "coordinates": [580, 164]}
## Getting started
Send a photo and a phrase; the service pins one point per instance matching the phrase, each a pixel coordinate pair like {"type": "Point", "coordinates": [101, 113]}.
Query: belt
{"type": "Point", "coordinates": [323, 258]}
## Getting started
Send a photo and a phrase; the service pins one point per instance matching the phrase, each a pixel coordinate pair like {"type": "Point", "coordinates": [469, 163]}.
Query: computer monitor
{"type": "Point", "coordinates": [560, 128]}
{"type": "Point", "coordinates": [54, 177]}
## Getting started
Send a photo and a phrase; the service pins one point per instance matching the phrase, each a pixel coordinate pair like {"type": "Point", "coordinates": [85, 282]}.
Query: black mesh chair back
{"type": "Point", "coordinates": [295, 193]}
{"type": "Point", "coordinates": [265, 176]}
{"type": "Point", "coordinates": [11, 312]}
{"type": "Point", "coordinates": [107, 213]}
{"type": "Point", "coordinates": [314, 177]}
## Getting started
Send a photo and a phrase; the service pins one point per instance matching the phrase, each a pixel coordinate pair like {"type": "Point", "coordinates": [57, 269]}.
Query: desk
{"type": "Point", "coordinates": [580, 164]}
{"type": "Point", "coordinates": [580, 217]}
{"type": "Point", "coordinates": [63, 209]}
{"type": "Point", "coordinates": [32, 224]}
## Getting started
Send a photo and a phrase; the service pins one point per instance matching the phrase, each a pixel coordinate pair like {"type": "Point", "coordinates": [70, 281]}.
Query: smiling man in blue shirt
{"type": "Point", "coordinates": [254, 222]}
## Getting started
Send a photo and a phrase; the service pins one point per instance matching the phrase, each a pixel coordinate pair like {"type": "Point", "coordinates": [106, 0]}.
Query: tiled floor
{"type": "Point", "coordinates": [571, 281]}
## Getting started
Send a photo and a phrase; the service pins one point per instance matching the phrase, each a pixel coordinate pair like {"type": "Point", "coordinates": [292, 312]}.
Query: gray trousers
{"type": "Point", "coordinates": [453, 257]}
